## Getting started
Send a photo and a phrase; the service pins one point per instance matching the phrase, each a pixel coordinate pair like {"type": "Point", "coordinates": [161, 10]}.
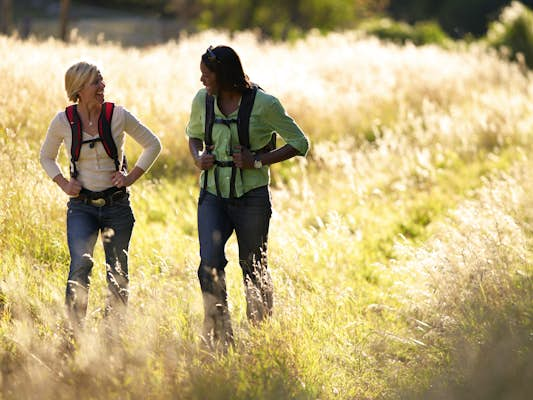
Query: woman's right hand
{"type": "Point", "coordinates": [71, 187]}
{"type": "Point", "coordinates": [205, 160]}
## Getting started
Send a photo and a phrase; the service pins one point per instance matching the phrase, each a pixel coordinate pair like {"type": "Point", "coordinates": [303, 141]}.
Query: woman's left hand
{"type": "Point", "coordinates": [243, 157]}
{"type": "Point", "coordinates": [120, 179]}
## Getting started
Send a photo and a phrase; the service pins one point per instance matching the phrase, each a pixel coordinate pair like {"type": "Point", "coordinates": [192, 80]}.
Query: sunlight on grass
{"type": "Point", "coordinates": [400, 249]}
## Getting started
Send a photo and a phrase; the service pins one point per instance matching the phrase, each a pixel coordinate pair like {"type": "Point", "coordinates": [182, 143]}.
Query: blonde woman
{"type": "Point", "coordinates": [93, 134]}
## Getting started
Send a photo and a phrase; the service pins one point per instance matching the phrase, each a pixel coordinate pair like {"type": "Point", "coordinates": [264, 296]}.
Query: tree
{"type": "Point", "coordinates": [456, 17]}
{"type": "Point", "coordinates": [6, 17]}
{"type": "Point", "coordinates": [63, 20]}
{"type": "Point", "coordinates": [276, 18]}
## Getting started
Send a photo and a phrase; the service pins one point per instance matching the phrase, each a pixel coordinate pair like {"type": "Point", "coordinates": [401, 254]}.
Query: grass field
{"type": "Point", "coordinates": [400, 248]}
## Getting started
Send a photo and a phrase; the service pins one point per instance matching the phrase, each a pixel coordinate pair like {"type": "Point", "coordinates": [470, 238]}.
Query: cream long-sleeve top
{"type": "Point", "coordinates": [94, 166]}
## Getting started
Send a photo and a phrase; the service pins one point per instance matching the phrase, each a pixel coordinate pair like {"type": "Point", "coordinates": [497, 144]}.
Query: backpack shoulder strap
{"type": "Point", "coordinates": [243, 117]}
{"type": "Point", "coordinates": [75, 127]}
{"type": "Point", "coordinates": [104, 130]}
{"type": "Point", "coordinates": [208, 133]}
{"type": "Point", "coordinates": [209, 119]}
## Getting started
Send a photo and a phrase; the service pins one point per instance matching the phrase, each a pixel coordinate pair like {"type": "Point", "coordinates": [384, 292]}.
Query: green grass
{"type": "Point", "coordinates": [401, 260]}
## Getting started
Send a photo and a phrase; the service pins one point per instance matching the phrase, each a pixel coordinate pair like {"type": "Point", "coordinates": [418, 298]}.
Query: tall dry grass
{"type": "Point", "coordinates": [398, 248]}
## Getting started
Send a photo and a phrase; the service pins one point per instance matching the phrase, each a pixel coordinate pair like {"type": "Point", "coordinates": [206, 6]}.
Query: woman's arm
{"type": "Point", "coordinates": [48, 155]}
{"type": "Point", "coordinates": [50, 147]}
{"type": "Point", "coordinates": [245, 159]}
{"type": "Point", "coordinates": [275, 116]}
{"type": "Point", "coordinates": [151, 149]}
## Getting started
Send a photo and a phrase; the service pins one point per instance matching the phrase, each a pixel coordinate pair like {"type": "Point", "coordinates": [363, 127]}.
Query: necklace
{"type": "Point", "coordinates": [90, 123]}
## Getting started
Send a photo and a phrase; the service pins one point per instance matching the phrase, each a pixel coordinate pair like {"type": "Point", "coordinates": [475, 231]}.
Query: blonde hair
{"type": "Point", "coordinates": [77, 77]}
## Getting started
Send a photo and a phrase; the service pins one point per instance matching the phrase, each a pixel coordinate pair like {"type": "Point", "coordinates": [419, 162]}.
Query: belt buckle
{"type": "Point", "coordinates": [98, 202]}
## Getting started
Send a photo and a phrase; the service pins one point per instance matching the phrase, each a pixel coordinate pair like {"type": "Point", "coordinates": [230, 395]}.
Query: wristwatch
{"type": "Point", "coordinates": [257, 162]}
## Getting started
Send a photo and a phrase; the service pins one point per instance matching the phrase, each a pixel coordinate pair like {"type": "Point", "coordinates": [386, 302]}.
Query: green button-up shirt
{"type": "Point", "coordinates": [268, 116]}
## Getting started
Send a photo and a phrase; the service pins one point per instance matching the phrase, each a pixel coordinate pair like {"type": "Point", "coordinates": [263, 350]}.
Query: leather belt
{"type": "Point", "coordinates": [100, 199]}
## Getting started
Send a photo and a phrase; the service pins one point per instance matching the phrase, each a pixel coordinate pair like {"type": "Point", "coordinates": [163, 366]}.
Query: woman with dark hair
{"type": "Point", "coordinates": [231, 129]}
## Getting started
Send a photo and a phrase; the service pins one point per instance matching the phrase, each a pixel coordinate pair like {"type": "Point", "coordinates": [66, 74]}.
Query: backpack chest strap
{"type": "Point", "coordinates": [243, 129]}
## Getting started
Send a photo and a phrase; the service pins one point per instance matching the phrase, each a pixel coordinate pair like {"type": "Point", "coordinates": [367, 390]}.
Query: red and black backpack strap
{"type": "Point", "coordinates": [75, 126]}
{"type": "Point", "coordinates": [104, 130]}
{"type": "Point", "coordinates": [104, 133]}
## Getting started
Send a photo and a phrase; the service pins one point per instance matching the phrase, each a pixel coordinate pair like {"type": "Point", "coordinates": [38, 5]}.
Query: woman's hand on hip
{"type": "Point", "coordinates": [72, 187]}
{"type": "Point", "coordinates": [120, 179]}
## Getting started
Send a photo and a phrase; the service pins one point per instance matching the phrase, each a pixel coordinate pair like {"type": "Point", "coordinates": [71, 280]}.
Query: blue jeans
{"type": "Point", "coordinates": [84, 223]}
{"type": "Point", "coordinates": [249, 216]}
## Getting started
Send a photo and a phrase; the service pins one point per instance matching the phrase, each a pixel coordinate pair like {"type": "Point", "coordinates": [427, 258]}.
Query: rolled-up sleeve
{"type": "Point", "coordinates": [50, 147]}
{"type": "Point", "coordinates": [277, 118]}
{"type": "Point", "coordinates": [195, 127]}
{"type": "Point", "coordinates": [145, 137]}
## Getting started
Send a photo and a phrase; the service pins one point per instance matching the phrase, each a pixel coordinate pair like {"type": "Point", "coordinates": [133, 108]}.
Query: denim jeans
{"type": "Point", "coordinates": [84, 223]}
{"type": "Point", "coordinates": [249, 216]}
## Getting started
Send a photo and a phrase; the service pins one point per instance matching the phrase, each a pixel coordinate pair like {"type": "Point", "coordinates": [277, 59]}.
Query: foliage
{"type": "Point", "coordinates": [457, 17]}
{"type": "Point", "coordinates": [402, 241]}
{"type": "Point", "coordinates": [276, 19]}
{"type": "Point", "coordinates": [287, 19]}
{"type": "Point", "coordinates": [514, 31]}
{"type": "Point", "coordinates": [154, 5]}
{"type": "Point", "coordinates": [401, 32]}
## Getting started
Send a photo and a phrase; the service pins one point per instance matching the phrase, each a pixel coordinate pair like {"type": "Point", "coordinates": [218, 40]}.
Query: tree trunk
{"type": "Point", "coordinates": [248, 15]}
{"type": "Point", "coordinates": [63, 20]}
{"type": "Point", "coordinates": [6, 17]}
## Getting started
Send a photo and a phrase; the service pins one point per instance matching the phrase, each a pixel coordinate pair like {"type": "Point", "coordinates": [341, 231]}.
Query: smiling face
{"type": "Point", "coordinates": [84, 82]}
{"type": "Point", "coordinates": [93, 90]}
{"type": "Point", "coordinates": [208, 79]}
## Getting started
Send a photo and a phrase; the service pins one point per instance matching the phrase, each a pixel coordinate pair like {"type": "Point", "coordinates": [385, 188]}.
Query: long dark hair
{"type": "Point", "coordinates": [226, 64]}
